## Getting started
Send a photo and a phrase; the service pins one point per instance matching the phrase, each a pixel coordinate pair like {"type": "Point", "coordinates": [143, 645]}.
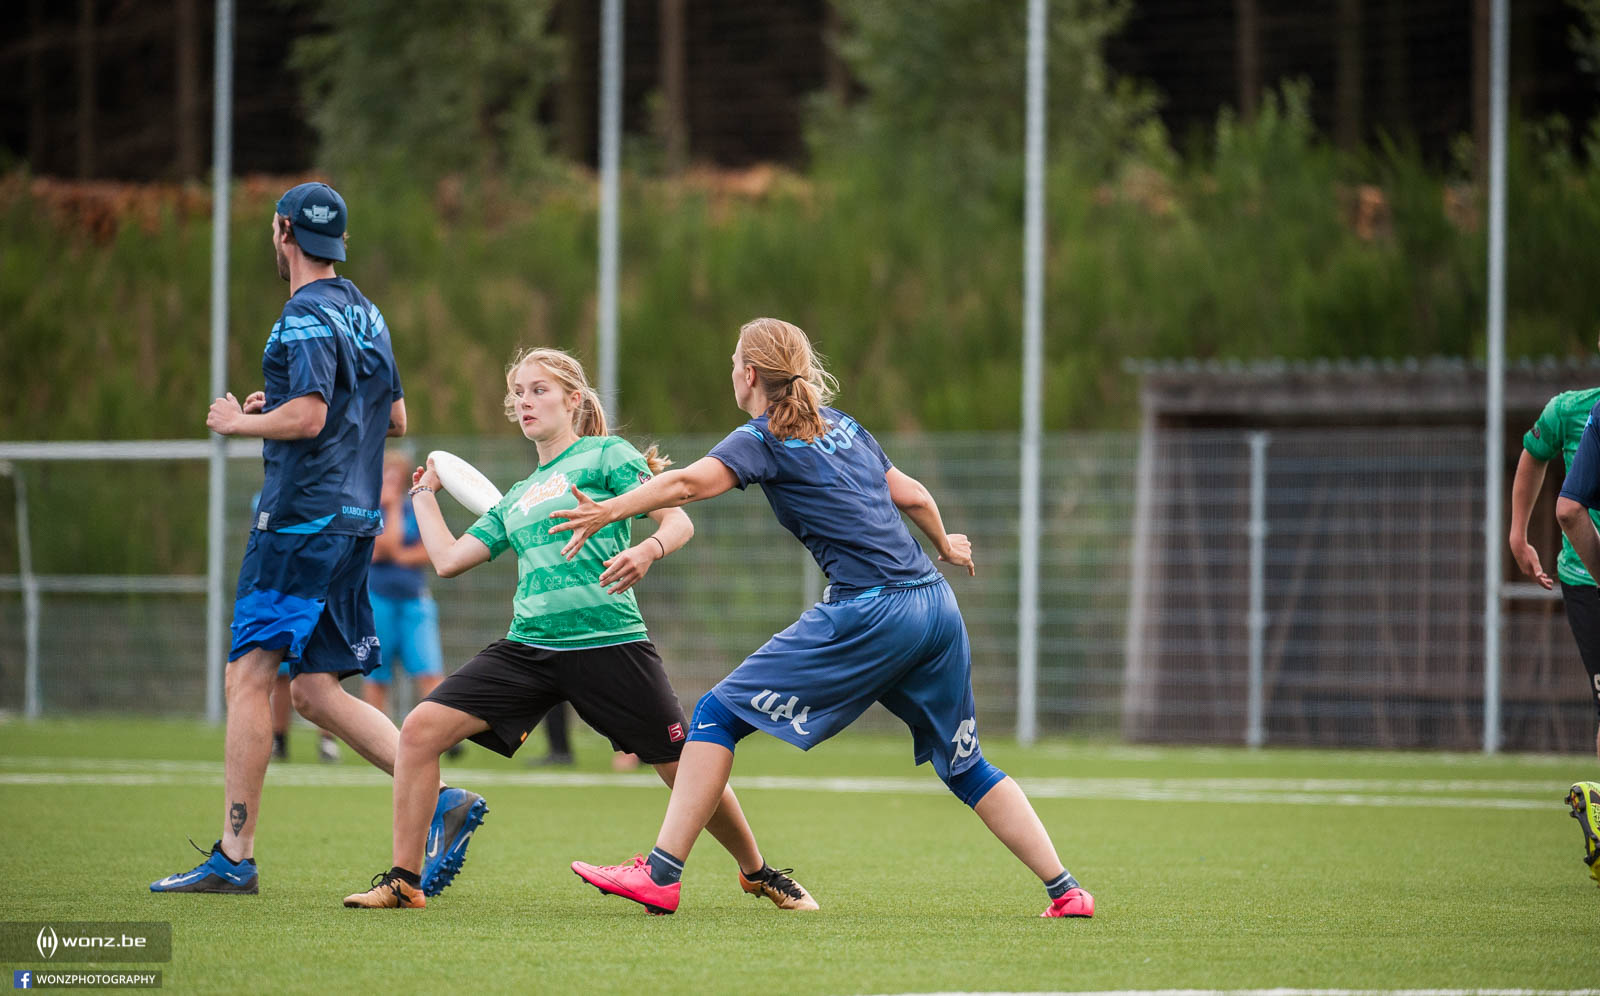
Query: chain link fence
{"type": "Point", "coordinates": [1366, 574]}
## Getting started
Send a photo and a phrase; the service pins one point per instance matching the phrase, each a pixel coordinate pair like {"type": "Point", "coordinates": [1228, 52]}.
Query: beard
{"type": "Point", "coordinates": [283, 264]}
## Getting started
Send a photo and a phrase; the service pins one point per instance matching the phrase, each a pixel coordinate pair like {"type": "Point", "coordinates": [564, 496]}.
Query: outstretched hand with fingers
{"type": "Point", "coordinates": [584, 521]}
{"type": "Point", "coordinates": [960, 553]}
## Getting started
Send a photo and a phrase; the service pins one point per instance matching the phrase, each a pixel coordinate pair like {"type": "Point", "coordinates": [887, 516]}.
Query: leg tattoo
{"type": "Point", "coordinates": [237, 814]}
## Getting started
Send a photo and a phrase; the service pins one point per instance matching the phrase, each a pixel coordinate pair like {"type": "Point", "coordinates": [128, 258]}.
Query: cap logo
{"type": "Point", "coordinates": [320, 214]}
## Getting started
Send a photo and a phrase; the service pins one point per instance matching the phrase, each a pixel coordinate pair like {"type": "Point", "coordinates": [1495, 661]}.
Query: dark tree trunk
{"type": "Point", "coordinates": [579, 22]}
{"type": "Point", "coordinates": [86, 88]}
{"type": "Point", "coordinates": [186, 112]}
{"type": "Point", "coordinates": [1347, 75]}
{"type": "Point", "coordinates": [1247, 37]}
{"type": "Point", "coordinates": [674, 83]}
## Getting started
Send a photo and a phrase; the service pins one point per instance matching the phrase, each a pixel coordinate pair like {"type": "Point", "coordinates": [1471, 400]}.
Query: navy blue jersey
{"type": "Point", "coordinates": [1583, 477]}
{"type": "Point", "coordinates": [832, 494]}
{"type": "Point", "coordinates": [392, 580]}
{"type": "Point", "coordinates": [330, 341]}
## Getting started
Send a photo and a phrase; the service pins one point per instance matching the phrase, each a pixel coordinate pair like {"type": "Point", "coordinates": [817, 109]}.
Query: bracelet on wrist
{"type": "Point", "coordinates": [418, 490]}
{"type": "Point", "coordinates": [662, 545]}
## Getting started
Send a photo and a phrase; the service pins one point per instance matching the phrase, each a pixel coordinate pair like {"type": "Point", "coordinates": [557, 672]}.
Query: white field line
{"type": "Point", "coordinates": [1237, 756]}
{"type": "Point", "coordinates": [1379, 793]}
{"type": "Point", "coordinates": [1283, 992]}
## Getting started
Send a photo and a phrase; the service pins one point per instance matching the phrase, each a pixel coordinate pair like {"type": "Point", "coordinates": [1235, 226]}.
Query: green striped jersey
{"type": "Point", "coordinates": [559, 603]}
{"type": "Point", "coordinates": [1557, 432]}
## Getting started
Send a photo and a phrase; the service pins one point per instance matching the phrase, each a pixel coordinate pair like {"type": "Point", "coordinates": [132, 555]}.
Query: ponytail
{"type": "Point", "coordinates": [656, 460]}
{"type": "Point", "coordinates": [589, 419]}
{"type": "Point", "coordinates": [792, 375]}
{"type": "Point", "coordinates": [797, 412]}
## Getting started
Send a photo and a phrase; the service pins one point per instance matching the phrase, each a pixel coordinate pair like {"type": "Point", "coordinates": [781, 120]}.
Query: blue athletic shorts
{"type": "Point", "coordinates": [904, 647]}
{"type": "Point", "coordinates": [408, 631]}
{"type": "Point", "coordinates": [307, 596]}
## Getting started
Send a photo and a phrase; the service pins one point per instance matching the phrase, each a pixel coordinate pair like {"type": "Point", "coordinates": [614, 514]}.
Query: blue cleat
{"type": "Point", "coordinates": [215, 874]}
{"type": "Point", "coordinates": [456, 814]}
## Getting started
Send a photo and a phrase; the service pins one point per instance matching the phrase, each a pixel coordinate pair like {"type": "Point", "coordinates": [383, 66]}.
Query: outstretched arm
{"type": "Point", "coordinates": [917, 502]}
{"type": "Point", "coordinates": [450, 556]}
{"type": "Point", "coordinates": [706, 478]}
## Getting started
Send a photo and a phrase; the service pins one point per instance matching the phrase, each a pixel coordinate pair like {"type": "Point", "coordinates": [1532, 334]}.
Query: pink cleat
{"type": "Point", "coordinates": [1076, 902]}
{"type": "Point", "coordinates": [632, 881]}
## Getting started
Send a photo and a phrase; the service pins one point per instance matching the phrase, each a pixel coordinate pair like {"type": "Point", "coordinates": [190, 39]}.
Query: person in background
{"type": "Point", "coordinates": [406, 616]}
{"type": "Point", "coordinates": [327, 743]}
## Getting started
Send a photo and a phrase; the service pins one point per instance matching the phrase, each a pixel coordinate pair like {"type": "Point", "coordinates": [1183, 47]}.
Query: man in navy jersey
{"type": "Point", "coordinates": [887, 630]}
{"type": "Point", "coordinates": [331, 395]}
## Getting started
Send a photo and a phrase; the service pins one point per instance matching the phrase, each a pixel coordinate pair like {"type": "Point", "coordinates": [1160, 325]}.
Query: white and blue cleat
{"type": "Point", "coordinates": [215, 874]}
{"type": "Point", "coordinates": [455, 816]}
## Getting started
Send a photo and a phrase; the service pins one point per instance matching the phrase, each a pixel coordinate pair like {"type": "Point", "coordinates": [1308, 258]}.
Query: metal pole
{"type": "Point", "coordinates": [32, 704]}
{"type": "Point", "coordinates": [610, 147]}
{"type": "Point", "coordinates": [1494, 429]}
{"type": "Point", "coordinates": [221, 184]}
{"type": "Point", "coordinates": [1032, 394]}
{"type": "Point", "coordinates": [1138, 684]}
{"type": "Point", "coordinates": [1255, 725]}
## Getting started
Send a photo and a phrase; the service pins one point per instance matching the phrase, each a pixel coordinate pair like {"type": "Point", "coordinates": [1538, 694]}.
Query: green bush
{"type": "Point", "coordinates": [1252, 249]}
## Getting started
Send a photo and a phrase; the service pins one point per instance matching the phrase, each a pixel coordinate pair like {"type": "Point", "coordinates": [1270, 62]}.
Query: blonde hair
{"type": "Point", "coordinates": [791, 375]}
{"type": "Point", "coordinates": [589, 418]}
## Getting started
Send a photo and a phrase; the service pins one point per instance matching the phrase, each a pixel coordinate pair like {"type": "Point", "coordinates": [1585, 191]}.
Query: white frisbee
{"type": "Point", "coordinates": [466, 484]}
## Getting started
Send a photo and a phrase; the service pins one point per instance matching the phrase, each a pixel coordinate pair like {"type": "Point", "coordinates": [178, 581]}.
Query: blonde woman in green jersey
{"type": "Point", "coordinates": [576, 634]}
{"type": "Point", "coordinates": [1556, 434]}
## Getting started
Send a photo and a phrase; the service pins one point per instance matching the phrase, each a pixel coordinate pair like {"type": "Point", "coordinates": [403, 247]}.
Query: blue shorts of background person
{"type": "Point", "coordinates": [408, 631]}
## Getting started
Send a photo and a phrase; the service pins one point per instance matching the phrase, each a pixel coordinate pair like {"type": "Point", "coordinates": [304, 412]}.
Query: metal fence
{"type": "Point", "coordinates": [1348, 581]}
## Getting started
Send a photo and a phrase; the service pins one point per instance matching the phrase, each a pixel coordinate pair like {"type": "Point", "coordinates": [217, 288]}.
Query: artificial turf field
{"type": "Point", "coordinates": [1212, 869]}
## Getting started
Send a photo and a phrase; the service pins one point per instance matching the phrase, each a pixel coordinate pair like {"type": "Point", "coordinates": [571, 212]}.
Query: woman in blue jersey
{"type": "Point", "coordinates": [888, 629]}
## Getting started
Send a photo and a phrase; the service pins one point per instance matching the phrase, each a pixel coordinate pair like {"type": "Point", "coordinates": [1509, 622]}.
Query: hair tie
{"type": "Point", "coordinates": [796, 377]}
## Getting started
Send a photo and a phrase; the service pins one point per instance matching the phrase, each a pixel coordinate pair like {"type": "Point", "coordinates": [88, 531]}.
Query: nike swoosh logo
{"type": "Point", "coordinates": [704, 726]}
{"type": "Point", "coordinates": [181, 879]}
{"type": "Point", "coordinates": [433, 844]}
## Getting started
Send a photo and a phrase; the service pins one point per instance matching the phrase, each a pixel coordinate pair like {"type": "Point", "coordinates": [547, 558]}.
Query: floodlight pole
{"type": "Point", "coordinates": [221, 183]}
{"type": "Point", "coordinates": [610, 148]}
{"type": "Point", "coordinates": [1494, 429]}
{"type": "Point", "coordinates": [32, 703]}
{"type": "Point", "coordinates": [1032, 377]}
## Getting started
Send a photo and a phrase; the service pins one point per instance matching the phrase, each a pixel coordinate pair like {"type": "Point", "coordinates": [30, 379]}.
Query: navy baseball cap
{"type": "Point", "coordinates": [317, 213]}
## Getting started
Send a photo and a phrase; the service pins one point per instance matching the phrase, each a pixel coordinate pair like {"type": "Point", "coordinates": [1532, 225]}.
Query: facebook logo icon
{"type": "Point", "coordinates": [21, 979]}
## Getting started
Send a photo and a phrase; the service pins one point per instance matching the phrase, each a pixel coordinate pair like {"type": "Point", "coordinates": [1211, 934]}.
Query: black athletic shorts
{"type": "Point", "coordinates": [1583, 615]}
{"type": "Point", "coordinates": [620, 690]}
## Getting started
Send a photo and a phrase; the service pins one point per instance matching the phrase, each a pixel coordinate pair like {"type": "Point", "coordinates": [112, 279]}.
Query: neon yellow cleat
{"type": "Point", "coordinates": [1584, 798]}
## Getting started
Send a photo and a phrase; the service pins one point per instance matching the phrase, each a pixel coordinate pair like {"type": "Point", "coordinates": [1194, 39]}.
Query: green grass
{"type": "Point", "coordinates": [1212, 869]}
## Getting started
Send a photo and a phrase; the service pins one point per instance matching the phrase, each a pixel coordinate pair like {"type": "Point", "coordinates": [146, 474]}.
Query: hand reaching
{"type": "Point", "coordinates": [584, 521]}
